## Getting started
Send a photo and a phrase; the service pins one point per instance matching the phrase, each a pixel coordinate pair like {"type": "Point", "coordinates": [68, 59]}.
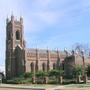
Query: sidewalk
{"type": "Point", "coordinates": [20, 87]}
{"type": "Point", "coordinates": [33, 87]}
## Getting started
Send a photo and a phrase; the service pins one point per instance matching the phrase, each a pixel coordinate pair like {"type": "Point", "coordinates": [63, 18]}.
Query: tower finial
{"type": "Point", "coordinates": [47, 47]}
{"type": "Point", "coordinates": [57, 50]}
{"type": "Point", "coordinates": [21, 19]}
{"type": "Point", "coordinates": [12, 17]}
{"type": "Point", "coordinates": [7, 19]}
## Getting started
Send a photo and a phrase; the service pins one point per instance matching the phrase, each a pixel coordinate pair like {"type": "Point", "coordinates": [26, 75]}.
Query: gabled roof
{"type": "Point", "coordinates": [18, 46]}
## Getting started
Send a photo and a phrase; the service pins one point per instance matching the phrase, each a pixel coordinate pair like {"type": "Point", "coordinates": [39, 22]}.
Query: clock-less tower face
{"type": "Point", "coordinates": [17, 34]}
{"type": "Point", "coordinates": [14, 33]}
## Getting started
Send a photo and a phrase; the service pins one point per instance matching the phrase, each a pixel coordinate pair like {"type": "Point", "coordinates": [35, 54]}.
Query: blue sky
{"type": "Point", "coordinates": [47, 23]}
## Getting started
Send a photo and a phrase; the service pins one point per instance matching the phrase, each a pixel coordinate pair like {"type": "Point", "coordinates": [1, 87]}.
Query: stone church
{"type": "Point", "coordinates": [20, 59]}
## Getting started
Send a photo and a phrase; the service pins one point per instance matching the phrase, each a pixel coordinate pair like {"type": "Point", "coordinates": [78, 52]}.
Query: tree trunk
{"type": "Point", "coordinates": [33, 80]}
{"type": "Point", "coordinates": [78, 78]}
{"type": "Point", "coordinates": [85, 78]}
{"type": "Point", "coordinates": [45, 80]}
{"type": "Point", "coordinates": [60, 80]}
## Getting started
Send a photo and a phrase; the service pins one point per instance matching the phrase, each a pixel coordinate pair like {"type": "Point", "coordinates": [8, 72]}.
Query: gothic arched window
{"type": "Point", "coordinates": [54, 66]}
{"type": "Point", "coordinates": [44, 67]}
{"type": "Point", "coordinates": [17, 35]}
{"type": "Point", "coordinates": [32, 67]}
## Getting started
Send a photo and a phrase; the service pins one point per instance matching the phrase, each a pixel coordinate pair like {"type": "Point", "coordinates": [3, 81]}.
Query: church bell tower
{"type": "Point", "coordinates": [15, 45]}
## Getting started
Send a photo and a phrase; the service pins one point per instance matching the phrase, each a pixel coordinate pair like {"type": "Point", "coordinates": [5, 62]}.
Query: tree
{"type": "Point", "coordinates": [80, 46]}
{"type": "Point", "coordinates": [78, 70]}
{"type": "Point", "coordinates": [53, 73]}
{"type": "Point", "coordinates": [41, 75]}
{"type": "Point", "coordinates": [56, 73]}
{"type": "Point", "coordinates": [88, 70]}
{"type": "Point", "coordinates": [28, 75]}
